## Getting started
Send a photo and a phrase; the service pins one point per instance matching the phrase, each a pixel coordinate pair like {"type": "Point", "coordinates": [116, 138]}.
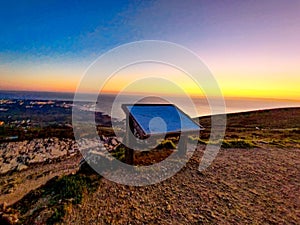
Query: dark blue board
{"type": "Point", "coordinates": [161, 118]}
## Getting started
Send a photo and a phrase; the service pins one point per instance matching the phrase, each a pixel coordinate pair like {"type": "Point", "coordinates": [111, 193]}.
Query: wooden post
{"type": "Point", "coordinates": [129, 153]}
{"type": "Point", "coordinates": [182, 146]}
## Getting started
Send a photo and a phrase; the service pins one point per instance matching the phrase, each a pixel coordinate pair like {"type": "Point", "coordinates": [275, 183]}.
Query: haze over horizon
{"type": "Point", "coordinates": [252, 48]}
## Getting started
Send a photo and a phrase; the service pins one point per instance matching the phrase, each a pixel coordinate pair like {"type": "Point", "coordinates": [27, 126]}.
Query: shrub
{"type": "Point", "coordinates": [58, 214]}
{"type": "Point", "coordinates": [119, 153]}
{"type": "Point", "coordinates": [237, 144]}
{"type": "Point", "coordinates": [69, 187]}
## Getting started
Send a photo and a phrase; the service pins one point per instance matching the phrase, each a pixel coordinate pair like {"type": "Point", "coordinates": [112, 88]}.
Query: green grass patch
{"type": "Point", "coordinates": [69, 188]}
{"type": "Point", "coordinates": [58, 214]}
{"type": "Point", "coordinates": [119, 153]}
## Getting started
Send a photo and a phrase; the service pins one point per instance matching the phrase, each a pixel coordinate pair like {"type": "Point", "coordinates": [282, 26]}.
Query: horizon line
{"type": "Point", "coordinates": [294, 99]}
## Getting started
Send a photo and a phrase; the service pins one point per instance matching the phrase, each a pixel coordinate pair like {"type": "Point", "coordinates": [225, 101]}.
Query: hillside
{"type": "Point", "coordinates": [253, 180]}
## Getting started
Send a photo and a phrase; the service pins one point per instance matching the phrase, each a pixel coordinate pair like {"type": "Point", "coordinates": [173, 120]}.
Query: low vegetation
{"type": "Point", "coordinates": [56, 196]}
{"type": "Point", "coordinates": [235, 143]}
{"type": "Point", "coordinates": [169, 144]}
{"type": "Point", "coordinates": [21, 134]}
{"type": "Point", "coordinates": [119, 153]}
{"type": "Point", "coordinates": [239, 187]}
{"type": "Point", "coordinates": [277, 127]}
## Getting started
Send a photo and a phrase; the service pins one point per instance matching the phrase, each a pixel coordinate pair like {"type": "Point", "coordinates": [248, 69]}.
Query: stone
{"type": "Point", "coordinates": [169, 207]}
{"type": "Point", "coordinates": [21, 167]}
{"type": "Point", "coordinates": [114, 142]}
{"type": "Point", "coordinates": [9, 219]}
{"type": "Point", "coordinates": [3, 206]}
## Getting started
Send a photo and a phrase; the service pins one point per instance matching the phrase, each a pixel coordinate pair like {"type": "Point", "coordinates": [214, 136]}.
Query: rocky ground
{"type": "Point", "coordinates": [242, 186]}
{"type": "Point", "coordinates": [256, 184]}
{"type": "Point", "coordinates": [19, 155]}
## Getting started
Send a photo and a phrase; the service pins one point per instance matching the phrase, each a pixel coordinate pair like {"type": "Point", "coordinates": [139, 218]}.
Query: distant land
{"type": "Point", "coordinates": [200, 107]}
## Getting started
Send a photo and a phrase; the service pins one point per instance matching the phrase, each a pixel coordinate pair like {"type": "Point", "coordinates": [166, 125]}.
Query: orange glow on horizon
{"type": "Point", "coordinates": [255, 83]}
{"type": "Point", "coordinates": [67, 85]}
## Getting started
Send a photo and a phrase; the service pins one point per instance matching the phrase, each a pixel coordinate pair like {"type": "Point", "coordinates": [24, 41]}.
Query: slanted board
{"type": "Point", "coordinates": [154, 119]}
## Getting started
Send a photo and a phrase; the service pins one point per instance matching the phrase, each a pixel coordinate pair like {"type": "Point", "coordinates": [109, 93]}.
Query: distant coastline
{"type": "Point", "coordinates": [36, 95]}
{"type": "Point", "coordinates": [233, 104]}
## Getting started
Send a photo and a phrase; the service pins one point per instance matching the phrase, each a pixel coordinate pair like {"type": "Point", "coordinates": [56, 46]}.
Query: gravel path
{"type": "Point", "coordinates": [255, 186]}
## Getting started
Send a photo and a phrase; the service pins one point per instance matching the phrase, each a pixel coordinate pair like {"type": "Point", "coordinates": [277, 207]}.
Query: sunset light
{"type": "Point", "coordinates": [248, 48]}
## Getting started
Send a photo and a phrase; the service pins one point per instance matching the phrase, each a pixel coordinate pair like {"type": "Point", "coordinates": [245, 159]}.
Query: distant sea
{"type": "Point", "coordinates": [35, 95]}
{"type": "Point", "coordinates": [199, 106]}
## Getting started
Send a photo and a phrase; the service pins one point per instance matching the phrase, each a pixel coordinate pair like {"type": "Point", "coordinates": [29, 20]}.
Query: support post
{"type": "Point", "coordinates": [182, 146]}
{"type": "Point", "coordinates": [129, 153]}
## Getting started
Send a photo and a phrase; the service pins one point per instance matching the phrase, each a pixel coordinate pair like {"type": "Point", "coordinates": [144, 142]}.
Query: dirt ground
{"type": "Point", "coordinates": [256, 185]}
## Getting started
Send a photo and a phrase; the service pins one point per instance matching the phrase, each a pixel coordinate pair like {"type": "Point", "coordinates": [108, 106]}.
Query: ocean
{"type": "Point", "coordinates": [193, 107]}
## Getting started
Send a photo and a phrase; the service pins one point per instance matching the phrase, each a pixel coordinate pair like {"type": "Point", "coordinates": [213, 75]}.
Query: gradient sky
{"type": "Point", "coordinates": [251, 47]}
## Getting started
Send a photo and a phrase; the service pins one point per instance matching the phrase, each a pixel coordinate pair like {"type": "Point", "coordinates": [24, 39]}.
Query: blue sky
{"type": "Point", "coordinates": [72, 27]}
{"type": "Point", "coordinates": [57, 27]}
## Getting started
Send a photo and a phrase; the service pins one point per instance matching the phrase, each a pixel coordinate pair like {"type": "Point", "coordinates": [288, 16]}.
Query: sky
{"type": "Point", "coordinates": [251, 47]}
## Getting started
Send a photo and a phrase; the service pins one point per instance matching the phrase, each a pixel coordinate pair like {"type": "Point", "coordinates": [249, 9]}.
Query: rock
{"type": "Point", "coordinates": [169, 207]}
{"type": "Point", "coordinates": [21, 167]}
{"type": "Point", "coordinates": [103, 138]}
{"type": "Point", "coordinates": [36, 159]}
{"type": "Point", "coordinates": [56, 152]}
{"type": "Point", "coordinates": [18, 155]}
{"type": "Point", "coordinates": [23, 159]}
{"type": "Point", "coordinates": [114, 142]}
{"type": "Point", "coordinates": [5, 168]}
{"type": "Point", "coordinates": [9, 219]}
{"type": "Point", "coordinates": [7, 215]}
{"type": "Point", "coordinates": [13, 163]}
{"type": "Point", "coordinates": [3, 206]}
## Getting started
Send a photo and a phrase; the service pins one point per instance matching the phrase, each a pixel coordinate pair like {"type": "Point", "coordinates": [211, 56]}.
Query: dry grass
{"type": "Point", "coordinates": [253, 180]}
